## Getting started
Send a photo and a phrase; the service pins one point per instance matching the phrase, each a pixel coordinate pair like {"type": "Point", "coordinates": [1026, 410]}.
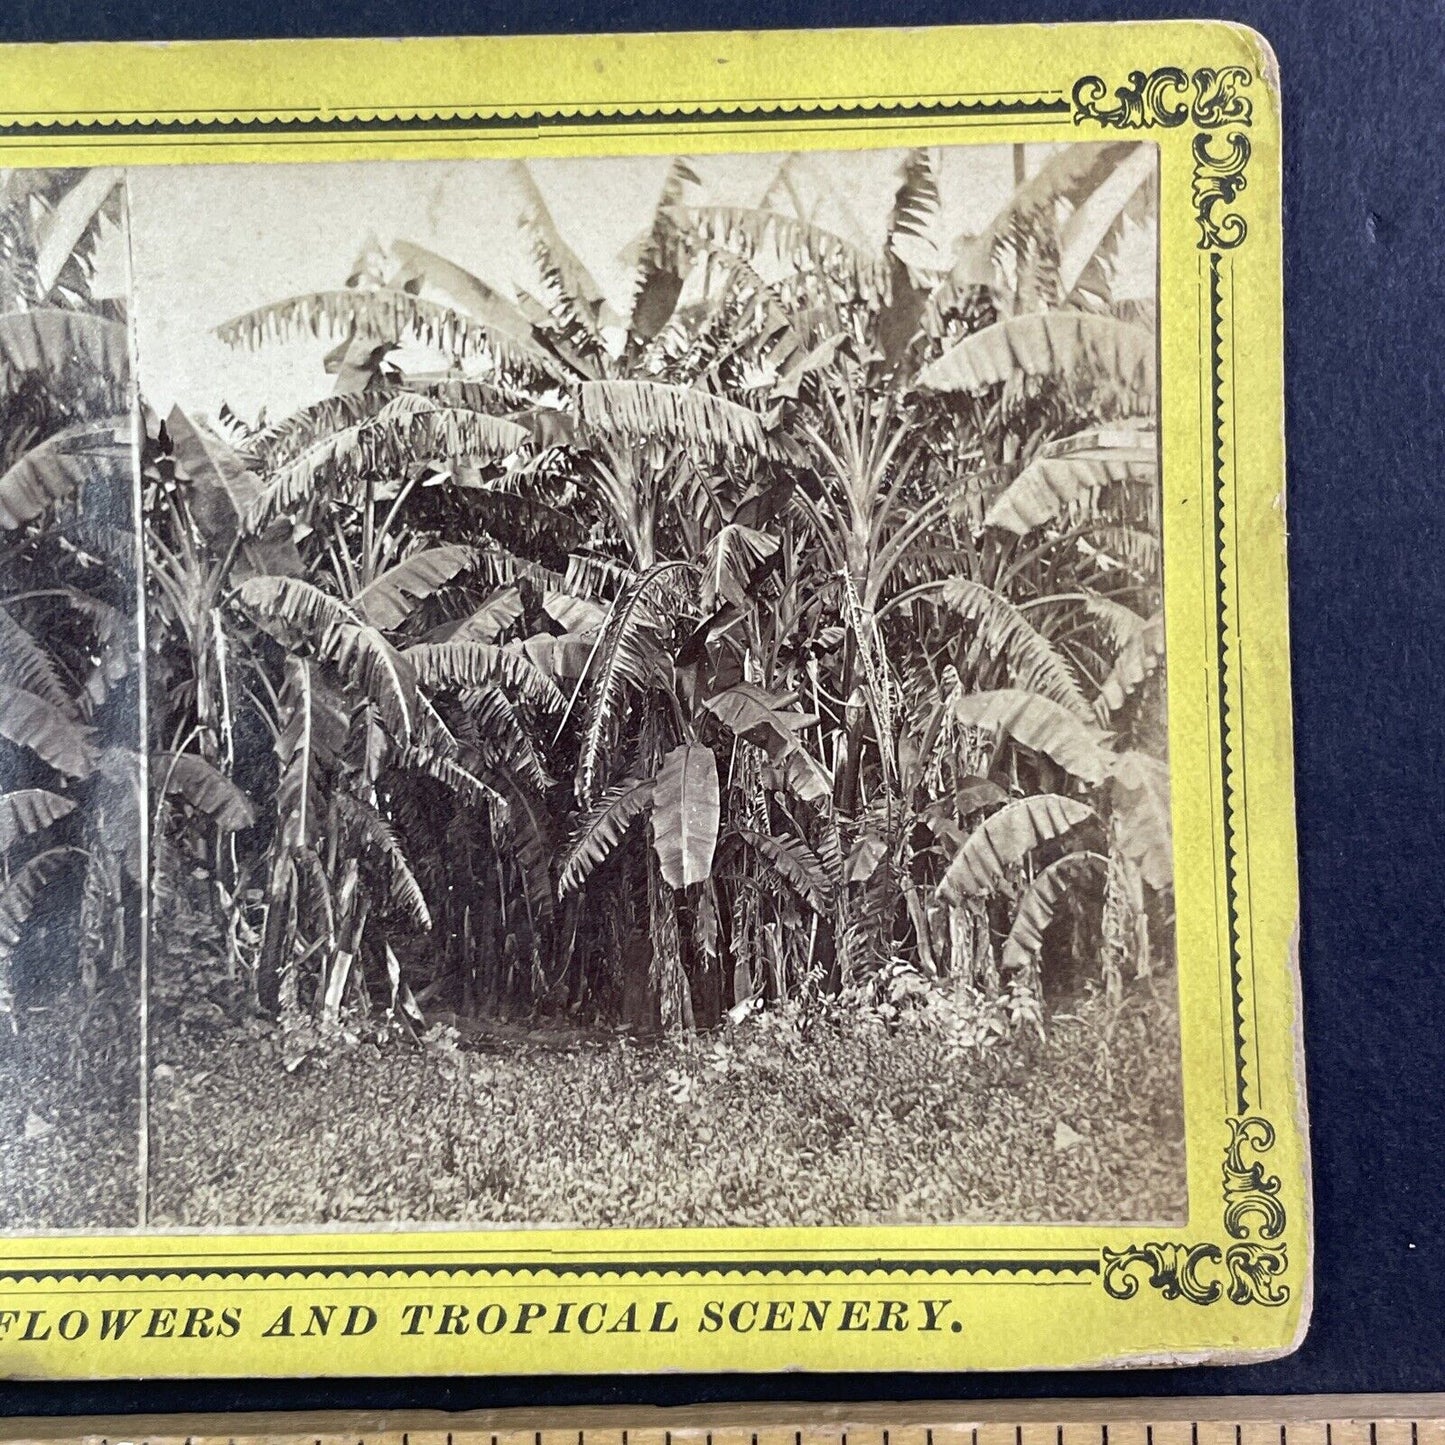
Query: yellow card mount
{"type": "Point", "coordinates": [646, 714]}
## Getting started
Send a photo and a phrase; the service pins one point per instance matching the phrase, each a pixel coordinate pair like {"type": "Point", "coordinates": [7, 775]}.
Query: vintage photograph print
{"type": "Point", "coordinates": [72, 745]}
{"type": "Point", "coordinates": [646, 740]}
{"type": "Point", "coordinates": [672, 653]}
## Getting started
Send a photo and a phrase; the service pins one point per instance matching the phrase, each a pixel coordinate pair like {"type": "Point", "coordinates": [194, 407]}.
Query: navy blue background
{"type": "Point", "coordinates": [1364, 204]}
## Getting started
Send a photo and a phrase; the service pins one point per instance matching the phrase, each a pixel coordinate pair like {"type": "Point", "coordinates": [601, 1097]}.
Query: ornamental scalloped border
{"type": "Point", "coordinates": [301, 124]}
{"type": "Point", "coordinates": [1081, 1270]}
{"type": "Point", "coordinates": [1244, 1271]}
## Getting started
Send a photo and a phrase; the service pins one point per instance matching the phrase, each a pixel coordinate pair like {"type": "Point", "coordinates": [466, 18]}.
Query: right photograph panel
{"type": "Point", "coordinates": [659, 691]}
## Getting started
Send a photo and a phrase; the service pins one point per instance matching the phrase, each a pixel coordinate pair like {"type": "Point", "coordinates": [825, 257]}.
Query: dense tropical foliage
{"type": "Point", "coordinates": [785, 644]}
{"type": "Point", "coordinates": [70, 765]}
{"type": "Point", "coordinates": [797, 631]}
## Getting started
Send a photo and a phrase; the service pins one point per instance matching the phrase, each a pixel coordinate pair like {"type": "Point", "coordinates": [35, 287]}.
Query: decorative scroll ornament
{"type": "Point", "coordinates": [1252, 1271]}
{"type": "Point", "coordinates": [1248, 1191]}
{"type": "Point", "coordinates": [1173, 1269]}
{"type": "Point", "coordinates": [1217, 181]}
{"type": "Point", "coordinates": [1170, 97]}
{"type": "Point", "coordinates": [1246, 1273]}
{"type": "Point", "coordinates": [1217, 100]}
{"type": "Point", "coordinates": [1166, 97]}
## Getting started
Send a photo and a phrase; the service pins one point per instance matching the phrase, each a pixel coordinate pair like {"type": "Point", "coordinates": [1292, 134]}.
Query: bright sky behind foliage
{"type": "Point", "coordinates": [209, 242]}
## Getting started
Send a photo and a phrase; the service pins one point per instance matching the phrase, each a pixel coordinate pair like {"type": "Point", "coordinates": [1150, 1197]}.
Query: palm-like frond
{"type": "Point", "coordinates": [1097, 220]}
{"type": "Point", "coordinates": [598, 579]}
{"type": "Point", "coordinates": [49, 732]}
{"type": "Point", "coordinates": [467, 664]}
{"type": "Point", "coordinates": [58, 343]}
{"type": "Point", "coordinates": [1040, 724]}
{"type": "Point", "coordinates": [390, 599]}
{"type": "Point", "coordinates": [460, 288]}
{"type": "Point", "coordinates": [337, 459]}
{"type": "Point", "coordinates": [299, 605]}
{"type": "Point", "coordinates": [499, 789]}
{"type": "Point", "coordinates": [491, 619]}
{"type": "Point", "coordinates": [601, 830]}
{"type": "Point", "coordinates": [1117, 622]}
{"type": "Point", "coordinates": [1057, 344]}
{"type": "Point", "coordinates": [413, 425]}
{"type": "Point", "coordinates": [1131, 548]}
{"type": "Point", "coordinates": [1069, 175]}
{"type": "Point", "coordinates": [663, 264]}
{"type": "Point", "coordinates": [382, 314]}
{"type": "Point", "coordinates": [19, 895]}
{"type": "Point", "coordinates": [363, 654]}
{"type": "Point", "coordinates": [571, 281]}
{"type": "Point", "coordinates": [57, 468]}
{"type": "Point", "coordinates": [756, 233]}
{"type": "Point", "coordinates": [471, 787]}
{"type": "Point", "coordinates": [496, 566]}
{"type": "Point", "coordinates": [27, 811]}
{"type": "Point", "coordinates": [577, 615]}
{"type": "Point", "coordinates": [25, 663]}
{"type": "Point", "coordinates": [406, 895]}
{"type": "Point", "coordinates": [61, 237]}
{"type": "Point", "coordinates": [626, 652]}
{"type": "Point", "coordinates": [498, 733]}
{"type": "Point", "coordinates": [409, 429]}
{"type": "Point", "coordinates": [1037, 908]}
{"type": "Point", "coordinates": [204, 786]}
{"type": "Point", "coordinates": [1138, 659]}
{"type": "Point", "coordinates": [283, 441]}
{"type": "Point", "coordinates": [685, 416]}
{"type": "Point", "coordinates": [1005, 838]}
{"type": "Point", "coordinates": [796, 864]}
{"type": "Point", "coordinates": [916, 203]}
{"type": "Point", "coordinates": [1034, 664]}
{"type": "Point", "coordinates": [1066, 477]}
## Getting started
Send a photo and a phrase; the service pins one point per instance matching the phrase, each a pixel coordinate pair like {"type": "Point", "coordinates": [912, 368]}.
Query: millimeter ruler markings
{"type": "Point", "coordinates": [1221, 1420]}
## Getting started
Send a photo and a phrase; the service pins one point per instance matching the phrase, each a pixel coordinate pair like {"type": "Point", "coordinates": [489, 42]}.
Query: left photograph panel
{"type": "Point", "coordinates": [73, 762]}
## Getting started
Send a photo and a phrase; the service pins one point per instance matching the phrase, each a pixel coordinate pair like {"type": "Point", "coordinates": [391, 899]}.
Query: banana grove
{"type": "Point", "coordinates": [791, 633]}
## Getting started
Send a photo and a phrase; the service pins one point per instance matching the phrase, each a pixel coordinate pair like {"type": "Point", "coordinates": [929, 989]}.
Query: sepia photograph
{"type": "Point", "coordinates": [72, 743]}
{"type": "Point", "coordinates": [648, 708]}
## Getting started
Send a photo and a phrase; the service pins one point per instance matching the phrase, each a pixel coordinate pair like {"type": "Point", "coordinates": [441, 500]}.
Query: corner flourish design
{"type": "Point", "coordinates": [1146, 99]}
{"type": "Point", "coordinates": [1248, 1191]}
{"type": "Point", "coordinates": [1168, 97]}
{"type": "Point", "coordinates": [1172, 1269]}
{"type": "Point", "coordinates": [1218, 179]}
{"type": "Point", "coordinates": [1246, 1272]}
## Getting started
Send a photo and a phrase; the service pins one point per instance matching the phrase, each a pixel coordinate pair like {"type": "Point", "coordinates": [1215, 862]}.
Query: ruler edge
{"type": "Point", "coordinates": [357, 1425]}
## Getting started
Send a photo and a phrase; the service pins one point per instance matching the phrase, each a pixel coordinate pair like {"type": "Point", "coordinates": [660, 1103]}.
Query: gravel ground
{"type": "Point", "coordinates": [69, 1151]}
{"type": "Point", "coordinates": [864, 1122]}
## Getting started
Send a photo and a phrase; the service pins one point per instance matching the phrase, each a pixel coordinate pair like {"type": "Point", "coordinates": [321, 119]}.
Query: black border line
{"type": "Point", "coordinates": [1228, 754]}
{"type": "Point", "coordinates": [239, 126]}
{"type": "Point", "coordinates": [1085, 1268]}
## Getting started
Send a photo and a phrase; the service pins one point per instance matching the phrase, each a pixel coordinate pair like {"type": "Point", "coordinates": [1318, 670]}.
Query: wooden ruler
{"type": "Point", "coordinates": [1246, 1420]}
